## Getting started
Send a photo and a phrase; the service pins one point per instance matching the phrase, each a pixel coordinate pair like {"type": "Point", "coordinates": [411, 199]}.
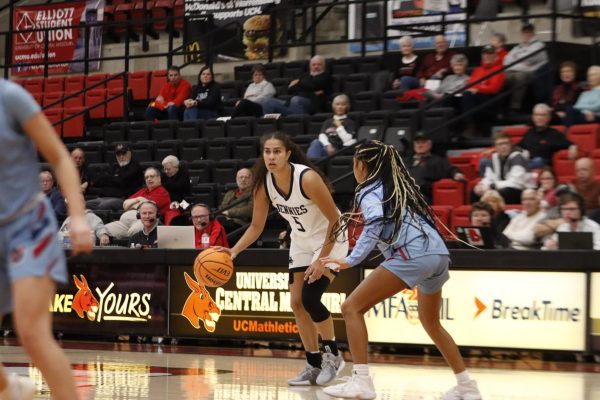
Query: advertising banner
{"type": "Point", "coordinates": [403, 13]}
{"type": "Point", "coordinates": [254, 304]}
{"type": "Point", "coordinates": [595, 311]}
{"type": "Point", "coordinates": [528, 310]}
{"type": "Point", "coordinates": [113, 299]}
{"type": "Point", "coordinates": [64, 45]}
{"type": "Point", "coordinates": [243, 28]}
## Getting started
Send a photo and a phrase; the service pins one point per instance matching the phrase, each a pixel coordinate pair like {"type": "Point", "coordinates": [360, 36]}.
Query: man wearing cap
{"type": "Point", "coordinates": [524, 72]}
{"type": "Point", "coordinates": [484, 90]}
{"type": "Point", "coordinates": [427, 168]}
{"type": "Point", "coordinates": [126, 177]}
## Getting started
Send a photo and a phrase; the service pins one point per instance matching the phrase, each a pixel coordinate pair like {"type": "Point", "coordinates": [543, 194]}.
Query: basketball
{"type": "Point", "coordinates": [213, 267]}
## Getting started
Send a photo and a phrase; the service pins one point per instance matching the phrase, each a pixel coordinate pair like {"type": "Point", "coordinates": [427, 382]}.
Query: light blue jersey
{"type": "Point", "coordinates": [19, 167]}
{"type": "Point", "coordinates": [415, 239]}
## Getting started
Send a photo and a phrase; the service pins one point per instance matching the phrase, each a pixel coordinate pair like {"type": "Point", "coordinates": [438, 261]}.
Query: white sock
{"type": "Point", "coordinates": [360, 369]}
{"type": "Point", "coordinates": [463, 377]}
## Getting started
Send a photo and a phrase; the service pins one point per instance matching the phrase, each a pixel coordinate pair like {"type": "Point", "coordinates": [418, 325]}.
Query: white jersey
{"type": "Point", "coordinates": [309, 225]}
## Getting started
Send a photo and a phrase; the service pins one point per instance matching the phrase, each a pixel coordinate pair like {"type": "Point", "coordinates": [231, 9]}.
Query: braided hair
{"type": "Point", "coordinates": [400, 192]}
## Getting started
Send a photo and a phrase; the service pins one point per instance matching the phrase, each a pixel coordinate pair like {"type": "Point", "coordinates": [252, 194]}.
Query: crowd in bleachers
{"type": "Point", "coordinates": [326, 105]}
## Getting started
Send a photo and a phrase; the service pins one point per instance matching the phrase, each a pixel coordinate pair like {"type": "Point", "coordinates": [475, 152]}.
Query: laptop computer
{"type": "Point", "coordinates": [575, 240]}
{"type": "Point", "coordinates": [478, 236]}
{"type": "Point", "coordinates": [175, 237]}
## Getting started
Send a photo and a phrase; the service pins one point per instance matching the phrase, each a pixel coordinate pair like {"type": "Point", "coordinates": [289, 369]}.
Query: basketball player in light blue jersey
{"type": "Point", "coordinates": [399, 221]}
{"type": "Point", "coordinates": [31, 259]}
{"type": "Point", "coordinates": [283, 177]}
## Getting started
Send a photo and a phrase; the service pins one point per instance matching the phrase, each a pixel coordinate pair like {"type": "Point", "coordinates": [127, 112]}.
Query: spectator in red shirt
{"type": "Point", "coordinates": [128, 225]}
{"type": "Point", "coordinates": [483, 91]}
{"type": "Point", "coordinates": [498, 42]}
{"type": "Point", "coordinates": [208, 232]}
{"type": "Point", "coordinates": [436, 65]}
{"type": "Point", "coordinates": [169, 103]}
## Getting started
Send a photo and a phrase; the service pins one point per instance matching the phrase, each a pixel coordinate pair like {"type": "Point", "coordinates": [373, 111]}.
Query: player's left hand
{"type": "Point", "coordinates": [81, 238]}
{"type": "Point", "coordinates": [314, 272]}
{"type": "Point", "coordinates": [341, 263]}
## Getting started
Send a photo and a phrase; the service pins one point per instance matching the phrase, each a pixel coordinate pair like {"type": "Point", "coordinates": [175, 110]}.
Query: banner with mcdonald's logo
{"type": "Point", "coordinates": [254, 304]}
{"type": "Point", "coordinates": [498, 309]}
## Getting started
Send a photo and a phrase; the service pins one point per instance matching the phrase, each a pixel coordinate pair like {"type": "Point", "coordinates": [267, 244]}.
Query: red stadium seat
{"type": "Point", "coordinates": [115, 82]}
{"type": "Point", "coordinates": [121, 14]}
{"type": "Point", "coordinates": [34, 85]}
{"type": "Point", "coordinates": [161, 10]}
{"type": "Point", "coordinates": [516, 207]}
{"type": "Point", "coordinates": [75, 126]}
{"type": "Point", "coordinates": [565, 179]}
{"type": "Point", "coordinates": [75, 101]}
{"type": "Point", "coordinates": [178, 12]}
{"type": "Point", "coordinates": [54, 115]}
{"type": "Point", "coordinates": [460, 217]}
{"type": "Point", "coordinates": [561, 164]}
{"type": "Point", "coordinates": [54, 84]}
{"type": "Point", "coordinates": [466, 163]}
{"type": "Point", "coordinates": [516, 133]}
{"type": "Point", "coordinates": [52, 97]}
{"type": "Point", "coordinates": [138, 14]}
{"type": "Point", "coordinates": [470, 185]}
{"type": "Point", "coordinates": [595, 155]}
{"type": "Point", "coordinates": [114, 108]}
{"type": "Point", "coordinates": [443, 213]}
{"type": "Point", "coordinates": [74, 83]}
{"type": "Point", "coordinates": [93, 97]}
{"type": "Point", "coordinates": [91, 80]}
{"type": "Point", "coordinates": [586, 136]}
{"type": "Point", "coordinates": [448, 192]}
{"type": "Point", "coordinates": [38, 97]}
{"type": "Point", "coordinates": [157, 80]}
{"type": "Point", "coordinates": [138, 84]}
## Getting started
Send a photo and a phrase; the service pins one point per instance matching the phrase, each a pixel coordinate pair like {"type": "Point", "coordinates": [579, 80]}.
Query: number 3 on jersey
{"type": "Point", "coordinates": [300, 227]}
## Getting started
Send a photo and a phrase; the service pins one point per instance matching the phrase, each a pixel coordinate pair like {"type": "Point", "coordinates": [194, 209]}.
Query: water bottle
{"type": "Point", "coordinates": [205, 240]}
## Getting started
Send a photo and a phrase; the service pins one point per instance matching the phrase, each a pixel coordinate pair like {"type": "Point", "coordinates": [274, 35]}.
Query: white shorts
{"type": "Point", "coordinates": [302, 255]}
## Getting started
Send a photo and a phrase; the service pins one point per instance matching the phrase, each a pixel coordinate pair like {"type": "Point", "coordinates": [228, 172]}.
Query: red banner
{"type": "Point", "coordinates": [28, 46]}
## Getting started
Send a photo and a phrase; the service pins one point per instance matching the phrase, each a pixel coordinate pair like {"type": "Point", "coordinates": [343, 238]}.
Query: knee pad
{"type": "Point", "coordinates": [311, 299]}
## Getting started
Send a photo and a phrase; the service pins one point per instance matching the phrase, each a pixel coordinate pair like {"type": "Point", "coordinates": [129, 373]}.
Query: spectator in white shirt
{"type": "Point", "coordinates": [258, 91]}
{"type": "Point", "coordinates": [572, 211]}
{"type": "Point", "coordinates": [520, 228]}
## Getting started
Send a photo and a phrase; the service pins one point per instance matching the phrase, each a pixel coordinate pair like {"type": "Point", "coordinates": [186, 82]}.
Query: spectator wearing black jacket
{"type": "Point", "coordinates": [205, 100]}
{"type": "Point", "coordinates": [310, 92]}
{"type": "Point", "coordinates": [427, 168]}
{"type": "Point", "coordinates": [126, 178]}
{"type": "Point", "coordinates": [177, 182]}
{"type": "Point", "coordinates": [542, 141]}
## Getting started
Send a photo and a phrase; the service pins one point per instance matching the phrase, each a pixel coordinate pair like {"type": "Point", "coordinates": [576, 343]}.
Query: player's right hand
{"type": "Point", "coordinates": [226, 250]}
{"type": "Point", "coordinates": [80, 235]}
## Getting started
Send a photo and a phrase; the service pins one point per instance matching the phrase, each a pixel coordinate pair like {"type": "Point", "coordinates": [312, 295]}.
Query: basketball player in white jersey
{"type": "Point", "coordinates": [31, 259]}
{"type": "Point", "coordinates": [283, 177]}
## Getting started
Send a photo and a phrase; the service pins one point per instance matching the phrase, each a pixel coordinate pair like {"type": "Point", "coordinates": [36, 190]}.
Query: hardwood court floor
{"type": "Point", "coordinates": [144, 371]}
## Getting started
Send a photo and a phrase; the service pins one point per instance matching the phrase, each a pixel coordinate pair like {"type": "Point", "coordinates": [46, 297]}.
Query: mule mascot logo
{"type": "Point", "coordinates": [199, 306]}
{"type": "Point", "coordinates": [84, 300]}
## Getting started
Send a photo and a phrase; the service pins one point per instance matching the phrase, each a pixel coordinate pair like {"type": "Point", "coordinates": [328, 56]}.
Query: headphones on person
{"type": "Point", "coordinates": [137, 213]}
{"type": "Point", "coordinates": [576, 197]}
{"type": "Point", "coordinates": [210, 214]}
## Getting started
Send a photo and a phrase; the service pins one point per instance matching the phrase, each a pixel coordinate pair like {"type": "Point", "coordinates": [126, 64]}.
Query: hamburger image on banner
{"type": "Point", "coordinates": [256, 37]}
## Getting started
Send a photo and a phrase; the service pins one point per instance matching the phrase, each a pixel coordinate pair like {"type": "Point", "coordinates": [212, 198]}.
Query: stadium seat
{"type": "Point", "coordinates": [370, 132]}
{"type": "Point", "coordinates": [357, 117]}
{"type": "Point", "coordinates": [225, 170]}
{"type": "Point", "coordinates": [205, 193]}
{"type": "Point", "coordinates": [141, 17]}
{"type": "Point", "coordinates": [34, 85]}
{"type": "Point", "coordinates": [164, 130]}
{"type": "Point", "coordinates": [448, 192]}
{"type": "Point", "coordinates": [218, 149]}
{"type": "Point", "coordinates": [344, 66]}
{"type": "Point", "coordinates": [122, 14]}
{"type": "Point", "coordinates": [379, 117]}
{"type": "Point", "coordinates": [202, 170]}
{"type": "Point", "coordinates": [293, 125]}
{"type": "Point", "coordinates": [115, 82]}
{"type": "Point", "coordinates": [586, 136]}
{"type": "Point", "coordinates": [304, 141]}
{"type": "Point", "coordinates": [368, 65]}
{"type": "Point", "coordinates": [338, 167]}
{"type": "Point", "coordinates": [516, 133]}
{"type": "Point", "coordinates": [355, 83]}
{"type": "Point", "coordinates": [114, 108]}
{"type": "Point", "coordinates": [115, 132]}
{"type": "Point", "coordinates": [52, 99]}
{"type": "Point", "coordinates": [245, 148]}
{"type": "Point", "coordinates": [138, 84]}
{"type": "Point", "coordinates": [178, 15]}
{"type": "Point", "coordinates": [561, 163]}
{"type": "Point", "coordinates": [94, 151]}
{"type": "Point", "coordinates": [192, 150]}
{"type": "Point", "coordinates": [243, 72]}
{"type": "Point", "coordinates": [294, 69]}
{"type": "Point", "coordinates": [92, 98]}
{"type": "Point", "coordinates": [38, 97]}
{"type": "Point", "coordinates": [239, 127]}
{"type": "Point", "coordinates": [213, 129]}
{"type": "Point", "coordinates": [54, 115]}
{"type": "Point", "coordinates": [389, 100]}
{"type": "Point", "coordinates": [466, 164]}
{"type": "Point", "coordinates": [365, 101]}
{"type": "Point", "coordinates": [595, 155]}
{"type": "Point", "coordinates": [281, 85]}
{"type": "Point", "coordinates": [74, 127]}
{"type": "Point", "coordinates": [406, 118]}
{"type": "Point", "coordinates": [157, 80]}
{"type": "Point", "coordinates": [94, 79]}
{"type": "Point", "coordinates": [443, 224]}
{"type": "Point", "coordinates": [139, 131]}
{"type": "Point", "coordinates": [189, 130]}
{"type": "Point", "coordinates": [460, 217]}
{"type": "Point", "coordinates": [273, 70]}
{"type": "Point", "coordinates": [231, 90]}
{"type": "Point", "coordinates": [74, 101]}
{"type": "Point", "coordinates": [160, 12]}
{"type": "Point", "coordinates": [74, 83]}
{"type": "Point", "coordinates": [143, 151]}
{"type": "Point", "coordinates": [398, 137]}
{"type": "Point", "coordinates": [166, 148]}
{"type": "Point", "coordinates": [54, 84]}
{"type": "Point", "coordinates": [263, 126]}
{"type": "Point", "coordinates": [434, 122]}
{"type": "Point", "coordinates": [315, 123]}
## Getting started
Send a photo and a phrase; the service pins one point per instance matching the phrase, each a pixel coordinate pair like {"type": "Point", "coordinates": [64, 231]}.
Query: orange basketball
{"type": "Point", "coordinates": [213, 268]}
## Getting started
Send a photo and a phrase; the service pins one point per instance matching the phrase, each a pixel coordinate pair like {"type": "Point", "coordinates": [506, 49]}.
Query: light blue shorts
{"type": "Point", "coordinates": [428, 273]}
{"type": "Point", "coordinates": [29, 247]}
